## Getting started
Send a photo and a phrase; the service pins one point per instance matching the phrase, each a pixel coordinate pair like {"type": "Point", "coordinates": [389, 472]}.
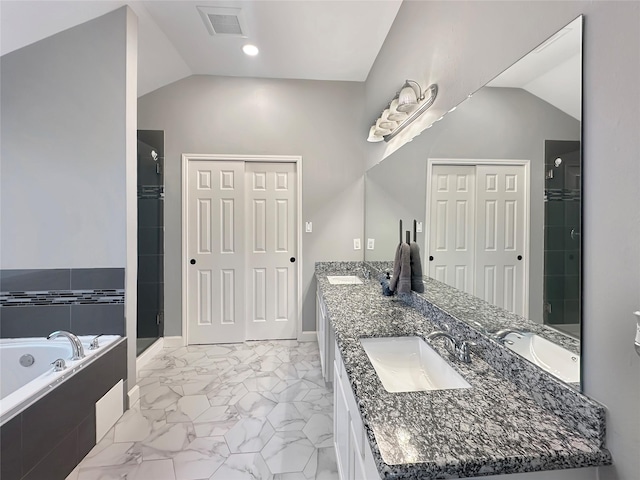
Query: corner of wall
{"type": "Point", "coordinates": [131, 140]}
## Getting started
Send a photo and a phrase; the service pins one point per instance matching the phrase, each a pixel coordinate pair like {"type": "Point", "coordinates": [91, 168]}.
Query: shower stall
{"type": "Point", "coordinates": [150, 286]}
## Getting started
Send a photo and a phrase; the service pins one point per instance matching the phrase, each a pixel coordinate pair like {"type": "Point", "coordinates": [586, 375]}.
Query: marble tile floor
{"type": "Point", "coordinates": [255, 410]}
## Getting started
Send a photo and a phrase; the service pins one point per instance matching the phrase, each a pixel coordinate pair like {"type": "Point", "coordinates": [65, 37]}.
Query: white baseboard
{"type": "Point", "coordinates": [172, 342]}
{"type": "Point", "coordinates": [134, 395]}
{"type": "Point", "coordinates": [309, 336]}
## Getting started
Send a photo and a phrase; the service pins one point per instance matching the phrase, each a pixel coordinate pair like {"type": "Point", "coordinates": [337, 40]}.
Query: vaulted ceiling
{"type": "Point", "coordinates": [305, 39]}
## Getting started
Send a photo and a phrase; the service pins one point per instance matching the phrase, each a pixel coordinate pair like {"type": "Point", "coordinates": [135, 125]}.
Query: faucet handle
{"type": "Point", "coordinates": [464, 351]}
{"type": "Point", "coordinates": [59, 365]}
{"type": "Point", "coordinates": [94, 345]}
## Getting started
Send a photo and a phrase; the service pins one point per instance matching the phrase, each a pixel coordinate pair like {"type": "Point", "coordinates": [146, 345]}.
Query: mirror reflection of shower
{"type": "Point", "coordinates": [562, 197]}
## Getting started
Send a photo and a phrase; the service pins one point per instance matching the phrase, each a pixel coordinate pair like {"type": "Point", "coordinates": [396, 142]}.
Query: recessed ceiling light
{"type": "Point", "coordinates": [250, 50]}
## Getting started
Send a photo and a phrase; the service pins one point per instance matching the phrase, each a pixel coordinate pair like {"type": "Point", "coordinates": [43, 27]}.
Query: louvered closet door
{"type": "Point", "coordinates": [271, 251]}
{"type": "Point", "coordinates": [451, 229]}
{"type": "Point", "coordinates": [215, 283]}
{"type": "Point", "coordinates": [501, 236]}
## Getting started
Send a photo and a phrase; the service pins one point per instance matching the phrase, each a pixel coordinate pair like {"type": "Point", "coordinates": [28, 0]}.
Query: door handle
{"type": "Point", "coordinates": [192, 261]}
{"type": "Point", "coordinates": [292, 259]}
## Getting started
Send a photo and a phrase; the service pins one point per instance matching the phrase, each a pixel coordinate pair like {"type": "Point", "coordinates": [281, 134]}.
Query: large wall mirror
{"type": "Point", "coordinates": [496, 186]}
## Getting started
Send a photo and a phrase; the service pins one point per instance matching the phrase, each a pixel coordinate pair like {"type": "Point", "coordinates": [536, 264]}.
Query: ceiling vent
{"type": "Point", "coordinates": [224, 21]}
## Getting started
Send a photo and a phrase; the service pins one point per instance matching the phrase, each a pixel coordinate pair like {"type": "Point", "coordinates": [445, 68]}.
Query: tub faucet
{"type": "Point", "coordinates": [461, 350]}
{"type": "Point", "coordinates": [76, 346]}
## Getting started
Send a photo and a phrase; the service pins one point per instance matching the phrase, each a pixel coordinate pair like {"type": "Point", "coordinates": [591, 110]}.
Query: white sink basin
{"type": "Point", "coordinates": [553, 358]}
{"type": "Point", "coordinates": [409, 364]}
{"type": "Point", "coordinates": [344, 280]}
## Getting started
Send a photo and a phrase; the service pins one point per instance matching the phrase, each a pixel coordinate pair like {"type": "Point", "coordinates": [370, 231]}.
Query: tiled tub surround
{"type": "Point", "coordinates": [515, 418]}
{"type": "Point", "coordinates": [49, 438]}
{"type": "Point", "coordinates": [34, 303]}
{"type": "Point", "coordinates": [24, 383]}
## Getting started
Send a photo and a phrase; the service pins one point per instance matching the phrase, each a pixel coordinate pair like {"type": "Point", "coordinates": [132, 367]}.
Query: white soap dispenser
{"type": "Point", "coordinates": [637, 342]}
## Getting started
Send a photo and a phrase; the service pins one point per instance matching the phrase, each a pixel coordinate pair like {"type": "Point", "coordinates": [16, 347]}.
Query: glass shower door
{"type": "Point", "coordinates": [150, 286]}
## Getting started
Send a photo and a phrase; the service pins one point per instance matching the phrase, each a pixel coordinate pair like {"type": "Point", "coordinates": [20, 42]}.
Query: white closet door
{"type": "Point", "coordinates": [501, 236]}
{"type": "Point", "coordinates": [215, 282]}
{"type": "Point", "coordinates": [452, 223]}
{"type": "Point", "coordinates": [271, 251]}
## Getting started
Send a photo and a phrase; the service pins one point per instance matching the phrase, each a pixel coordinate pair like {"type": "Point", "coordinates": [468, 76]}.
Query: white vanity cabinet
{"type": "Point", "coordinates": [353, 453]}
{"type": "Point", "coordinates": [325, 338]}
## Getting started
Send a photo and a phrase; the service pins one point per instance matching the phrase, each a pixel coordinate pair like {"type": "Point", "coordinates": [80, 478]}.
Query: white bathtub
{"type": "Point", "coordinates": [22, 386]}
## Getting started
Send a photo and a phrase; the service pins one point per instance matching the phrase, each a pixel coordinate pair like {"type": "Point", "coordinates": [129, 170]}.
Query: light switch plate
{"type": "Point", "coordinates": [419, 227]}
{"type": "Point", "coordinates": [371, 243]}
{"type": "Point", "coordinates": [308, 227]}
{"type": "Point", "coordinates": [356, 244]}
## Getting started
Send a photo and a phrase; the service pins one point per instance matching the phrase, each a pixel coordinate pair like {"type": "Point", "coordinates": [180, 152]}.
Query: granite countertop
{"type": "Point", "coordinates": [493, 427]}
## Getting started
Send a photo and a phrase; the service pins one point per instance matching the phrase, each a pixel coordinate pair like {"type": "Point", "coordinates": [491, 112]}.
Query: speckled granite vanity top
{"type": "Point", "coordinates": [497, 426]}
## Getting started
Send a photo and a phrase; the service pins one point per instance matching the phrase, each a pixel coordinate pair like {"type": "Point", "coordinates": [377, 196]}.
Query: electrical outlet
{"type": "Point", "coordinates": [371, 243]}
{"type": "Point", "coordinates": [308, 227]}
{"type": "Point", "coordinates": [356, 244]}
{"type": "Point", "coordinates": [419, 227]}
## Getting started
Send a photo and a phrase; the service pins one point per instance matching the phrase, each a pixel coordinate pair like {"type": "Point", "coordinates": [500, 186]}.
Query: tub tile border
{"type": "Point", "coordinates": [61, 297]}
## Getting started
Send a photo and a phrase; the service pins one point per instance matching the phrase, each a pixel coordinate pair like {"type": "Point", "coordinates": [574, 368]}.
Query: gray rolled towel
{"type": "Point", "coordinates": [396, 269]}
{"type": "Point", "coordinates": [401, 279]}
{"type": "Point", "coordinates": [417, 283]}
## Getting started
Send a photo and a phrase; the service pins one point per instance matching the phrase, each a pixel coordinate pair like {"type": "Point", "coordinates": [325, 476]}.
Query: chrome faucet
{"type": "Point", "coordinates": [77, 349]}
{"type": "Point", "coordinates": [461, 350]}
{"type": "Point", "coordinates": [501, 334]}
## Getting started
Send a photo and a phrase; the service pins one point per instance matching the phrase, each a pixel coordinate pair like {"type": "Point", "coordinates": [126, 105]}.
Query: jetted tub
{"type": "Point", "coordinates": [27, 373]}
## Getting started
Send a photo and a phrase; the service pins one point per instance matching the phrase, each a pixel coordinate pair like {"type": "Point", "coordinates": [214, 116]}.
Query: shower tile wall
{"type": "Point", "coordinates": [85, 301]}
{"type": "Point", "coordinates": [150, 237]}
{"type": "Point", "coordinates": [562, 211]}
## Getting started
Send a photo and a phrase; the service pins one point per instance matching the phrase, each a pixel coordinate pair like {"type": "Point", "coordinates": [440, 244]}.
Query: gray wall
{"type": "Point", "coordinates": [461, 46]}
{"type": "Point", "coordinates": [62, 182]}
{"type": "Point", "coordinates": [496, 123]}
{"type": "Point", "coordinates": [318, 120]}
{"type": "Point", "coordinates": [68, 154]}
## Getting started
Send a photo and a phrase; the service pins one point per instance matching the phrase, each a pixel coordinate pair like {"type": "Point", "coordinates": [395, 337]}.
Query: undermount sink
{"type": "Point", "coordinates": [409, 364]}
{"type": "Point", "coordinates": [551, 357]}
{"type": "Point", "coordinates": [344, 280]}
